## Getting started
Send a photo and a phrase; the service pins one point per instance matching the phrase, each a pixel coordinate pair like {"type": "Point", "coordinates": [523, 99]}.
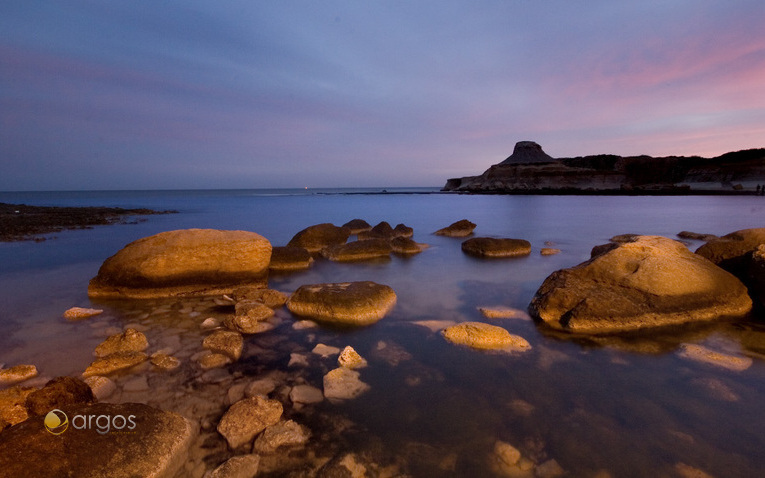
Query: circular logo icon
{"type": "Point", "coordinates": [56, 422]}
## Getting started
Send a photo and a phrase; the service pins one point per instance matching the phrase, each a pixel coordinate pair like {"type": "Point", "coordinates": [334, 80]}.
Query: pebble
{"type": "Point", "coordinates": [209, 323]}
{"type": "Point", "coordinates": [165, 361]}
{"type": "Point", "coordinates": [79, 313]}
{"type": "Point", "coordinates": [235, 393]}
{"type": "Point", "coordinates": [504, 313]}
{"type": "Point", "coordinates": [304, 324]}
{"type": "Point", "coordinates": [349, 358]}
{"type": "Point", "coordinates": [342, 384]}
{"type": "Point", "coordinates": [213, 360]}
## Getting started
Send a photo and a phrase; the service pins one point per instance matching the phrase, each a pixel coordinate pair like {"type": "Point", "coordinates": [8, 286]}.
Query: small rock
{"type": "Point", "coordinates": [269, 297]}
{"type": "Point", "coordinates": [19, 373]}
{"type": "Point", "coordinates": [357, 225]}
{"type": "Point", "coordinates": [241, 466]}
{"type": "Point", "coordinates": [286, 433]}
{"type": "Point", "coordinates": [246, 324]}
{"type": "Point", "coordinates": [79, 313]}
{"type": "Point", "coordinates": [304, 324]}
{"type": "Point", "coordinates": [213, 360]}
{"type": "Point", "coordinates": [13, 408]}
{"type": "Point", "coordinates": [113, 363]}
{"type": "Point", "coordinates": [210, 323]}
{"type": "Point", "coordinates": [225, 342]}
{"type": "Point", "coordinates": [298, 360]}
{"type": "Point", "coordinates": [702, 354]}
{"type": "Point", "coordinates": [236, 393]}
{"type": "Point", "coordinates": [255, 310]}
{"type": "Point", "coordinates": [164, 361]}
{"type": "Point", "coordinates": [306, 394]}
{"type": "Point", "coordinates": [696, 236]}
{"type": "Point", "coordinates": [462, 228]}
{"type": "Point", "coordinates": [549, 251]}
{"type": "Point", "coordinates": [358, 251]}
{"type": "Point", "coordinates": [325, 350]}
{"type": "Point", "coordinates": [102, 387]}
{"type": "Point", "coordinates": [687, 471]}
{"type": "Point", "coordinates": [349, 358]}
{"type": "Point", "coordinates": [315, 238]}
{"type": "Point", "coordinates": [246, 418]}
{"type": "Point", "coordinates": [503, 313]}
{"type": "Point", "coordinates": [57, 393]}
{"type": "Point", "coordinates": [435, 325]}
{"type": "Point", "coordinates": [343, 383]}
{"type": "Point", "coordinates": [129, 341]}
{"type": "Point", "coordinates": [484, 336]}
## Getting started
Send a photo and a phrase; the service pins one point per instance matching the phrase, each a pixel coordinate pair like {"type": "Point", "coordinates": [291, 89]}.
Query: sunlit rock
{"type": "Point", "coordinates": [114, 363]}
{"type": "Point", "coordinates": [184, 262]}
{"type": "Point", "coordinates": [79, 313]}
{"type": "Point", "coordinates": [13, 407]}
{"type": "Point", "coordinates": [16, 374]}
{"type": "Point", "coordinates": [247, 418]}
{"type": "Point", "coordinates": [357, 225]}
{"type": "Point", "coordinates": [225, 342]}
{"type": "Point", "coordinates": [283, 434]}
{"type": "Point", "coordinates": [346, 303]}
{"type": "Point", "coordinates": [358, 250]}
{"type": "Point", "coordinates": [315, 238]}
{"type": "Point", "coordinates": [406, 246]}
{"type": "Point", "coordinates": [699, 353]}
{"type": "Point", "coordinates": [500, 312]}
{"type": "Point", "coordinates": [478, 335]}
{"type": "Point", "coordinates": [128, 341]}
{"type": "Point", "coordinates": [461, 228]}
{"type": "Point", "coordinates": [349, 358]}
{"type": "Point", "coordinates": [165, 361]}
{"type": "Point", "coordinates": [58, 393]}
{"type": "Point", "coordinates": [496, 247]}
{"type": "Point", "coordinates": [102, 387]}
{"type": "Point", "coordinates": [240, 466]}
{"type": "Point", "coordinates": [343, 384]}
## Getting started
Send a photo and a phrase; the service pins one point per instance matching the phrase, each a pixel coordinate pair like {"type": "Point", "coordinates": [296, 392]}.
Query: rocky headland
{"type": "Point", "coordinates": [529, 170]}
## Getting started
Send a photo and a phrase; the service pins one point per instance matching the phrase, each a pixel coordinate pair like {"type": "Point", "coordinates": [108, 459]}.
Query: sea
{"type": "Point", "coordinates": [620, 407]}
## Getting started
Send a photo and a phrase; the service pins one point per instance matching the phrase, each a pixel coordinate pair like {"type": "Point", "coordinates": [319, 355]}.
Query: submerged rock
{"type": "Point", "coordinates": [130, 340]}
{"type": "Point", "coordinates": [306, 394]}
{"type": "Point", "coordinates": [404, 245]}
{"type": "Point", "coordinates": [696, 236]}
{"type": "Point", "coordinates": [349, 358]}
{"type": "Point", "coordinates": [503, 313]}
{"type": "Point", "coordinates": [58, 393]}
{"type": "Point", "coordinates": [16, 374]}
{"type": "Point", "coordinates": [462, 228]}
{"type": "Point", "coordinates": [114, 363]}
{"type": "Point", "coordinates": [699, 353]}
{"type": "Point", "coordinates": [358, 250]}
{"type": "Point", "coordinates": [493, 247]}
{"type": "Point", "coordinates": [289, 258]}
{"type": "Point", "coordinates": [346, 303]}
{"type": "Point", "coordinates": [184, 262]}
{"type": "Point", "coordinates": [549, 251]}
{"type": "Point", "coordinates": [155, 445]}
{"type": "Point", "coordinates": [241, 466]}
{"type": "Point", "coordinates": [315, 238]}
{"type": "Point", "coordinates": [343, 384]}
{"type": "Point", "coordinates": [269, 297]}
{"type": "Point", "coordinates": [165, 361]}
{"type": "Point", "coordinates": [283, 434]}
{"type": "Point", "coordinates": [79, 313]}
{"type": "Point", "coordinates": [649, 282]}
{"type": "Point", "coordinates": [246, 418]}
{"type": "Point", "coordinates": [482, 336]}
{"type": "Point", "coordinates": [226, 342]}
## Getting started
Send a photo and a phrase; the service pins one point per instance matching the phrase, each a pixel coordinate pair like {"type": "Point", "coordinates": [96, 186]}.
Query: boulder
{"type": "Point", "coordinates": [58, 393]}
{"type": "Point", "coordinates": [482, 336]}
{"type": "Point", "coordinates": [492, 247]}
{"type": "Point", "coordinates": [286, 433]}
{"type": "Point", "coordinates": [114, 363]}
{"type": "Point", "coordinates": [346, 303]}
{"type": "Point", "coordinates": [383, 230]}
{"type": "Point", "coordinates": [130, 340]}
{"type": "Point", "coordinates": [358, 251]}
{"type": "Point", "coordinates": [733, 252]}
{"type": "Point", "coordinates": [343, 384]}
{"type": "Point", "coordinates": [16, 374]}
{"type": "Point", "coordinates": [148, 442]}
{"type": "Point", "coordinates": [649, 282]}
{"type": "Point", "coordinates": [182, 263]}
{"type": "Point", "coordinates": [462, 228]}
{"type": "Point", "coordinates": [404, 245]}
{"type": "Point", "coordinates": [79, 313]}
{"type": "Point", "coordinates": [290, 258]}
{"type": "Point", "coordinates": [226, 342]}
{"type": "Point", "coordinates": [357, 225]}
{"type": "Point", "coordinates": [402, 230]}
{"type": "Point", "coordinates": [315, 238]}
{"type": "Point", "coordinates": [248, 417]}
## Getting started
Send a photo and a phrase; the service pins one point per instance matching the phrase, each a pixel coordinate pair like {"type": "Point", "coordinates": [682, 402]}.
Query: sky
{"type": "Point", "coordinates": [147, 94]}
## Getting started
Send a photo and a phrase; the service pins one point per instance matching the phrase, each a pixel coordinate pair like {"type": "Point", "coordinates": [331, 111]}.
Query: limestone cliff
{"type": "Point", "coordinates": [530, 170]}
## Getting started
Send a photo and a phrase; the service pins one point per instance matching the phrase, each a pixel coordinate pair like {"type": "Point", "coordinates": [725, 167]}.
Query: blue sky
{"type": "Point", "coordinates": [256, 94]}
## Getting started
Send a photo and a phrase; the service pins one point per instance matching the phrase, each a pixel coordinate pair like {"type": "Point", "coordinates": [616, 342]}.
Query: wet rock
{"type": "Point", "coordinates": [306, 394]}
{"type": "Point", "coordinates": [402, 230]}
{"type": "Point", "coordinates": [493, 247]}
{"type": "Point", "coordinates": [247, 418]}
{"type": "Point", "coordinates": [114, 363]}
{"type": "Point", "coordinates": [343, 384]}
{"type": "Point", "coordinates": [269, 297]}
{"type": "Point", "coordinates": [128, 341]}
{"type": "Point", "coordinates": [16, 374]}
{"type": "Point", "coordinates": [703, 354]}
{"type": "Point", "coordinates": [283, 434]}
{"type": "Point", "coordinates": [304, 324]}
{"type": "Point", "coordinates": [347, 303]}
{"type": "Point", "coordinates": [210, 323]}
{"type": "Point", "coordinates": [733, 251]}
{"type": "Point", "coordinates": [435, 325]}
{"type": "Point", "coordinates": [226, 342]}
{"type": "Point", "coordinates": [247, 325]}
{"type": "Point", "coordinates": [380, 231]}
{"type": "Point", "coordinates": [549, 251]}
{"type": "Point", "coordinates": [756, 274]}
{"type": "Point", "coordinates": [478, 335]}
{"type": "Point", "coordinates": [213, 360]}
{"type": "Point", "coordinates": [404, 245]}
{"type": "Point", "coordinates": [357, 225]}
{"type": "Point", "coordinates": [290, 259]}
{"type": "Point", "coordinates": [358, 251]}
{"type": "Point", "coordinates": [650, 282]}
{"type": "Point", "coordinates": [504, 460]}
{"type": "Point", "coordinates": [79, 313]}
{"type": "Point", "coordinates": [254, 310]}
{"type": "Point", "coordinates": [325, 351]}
{"type": "Point", "coordinates": [503, 313]}
{"type": "Point", "coordinates": [344, 466]}
{"type": "Point", "coordinates": [185, 262]}
{"type": "Point", "coordinates": [241, 466]}
{"type": "Point", "coordinates": [696, 236]}
{"type": "Point", "coordinates": [315, 238]}
{"type": "Point", "coordinates": [102, 387]}
{"type": "Point", "coordinates": [349, 358]}
{"type": "Point", "coordinates": [58, 393]}
{"type": "Point", "coordinates": [164, 361]}
{"type": "Point", "coordinates": [263, 387]}
{"type": "Point", "coordinates": [157, 448]}
{"type": "Point", "coordinates": [717, 389]}
{"type": "Point", "coordinates": [462, 228]}
{"type": "Point", "coordinates": [13, 408]}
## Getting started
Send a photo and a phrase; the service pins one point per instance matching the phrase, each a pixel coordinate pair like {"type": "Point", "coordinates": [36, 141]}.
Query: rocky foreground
{"type": "Point", "coordinates": [206, 308]}
{"type": "Point", "coordinates": [529, 170]}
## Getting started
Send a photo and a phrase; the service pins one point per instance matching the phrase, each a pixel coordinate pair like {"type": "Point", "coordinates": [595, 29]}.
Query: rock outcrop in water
{"type": "Point", "coordinates": [641, 283]}
{"type": "Point", "coordinates": [530, 170]}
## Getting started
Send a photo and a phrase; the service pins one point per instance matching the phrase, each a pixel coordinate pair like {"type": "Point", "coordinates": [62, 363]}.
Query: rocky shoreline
{"type": "Point", "coordinates": [20, 222]}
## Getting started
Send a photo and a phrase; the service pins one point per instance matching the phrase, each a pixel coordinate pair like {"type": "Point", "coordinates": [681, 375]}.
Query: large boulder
{"type": "Point", "coordinates": [649, 282]}
{"type": "Point", "coordinates": [494, 247]}
{"type": "Point", "coordinates": [315, 238]}
{"type": "Point", "coordinates": [358, 250]}
{"type": "Point", "coordinates": [346, 303]}
{"type": "Point", "coordinates": [120, 441]}
{"type": "Point", "coordinates": [184, 262]}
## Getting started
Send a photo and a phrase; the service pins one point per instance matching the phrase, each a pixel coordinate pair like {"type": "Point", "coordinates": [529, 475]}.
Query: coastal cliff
{"type": "Point", "coordinates": [529, 170]}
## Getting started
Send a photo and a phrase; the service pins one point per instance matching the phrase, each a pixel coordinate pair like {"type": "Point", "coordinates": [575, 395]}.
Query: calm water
{"type": "Point", "coordinates": [629, 408]}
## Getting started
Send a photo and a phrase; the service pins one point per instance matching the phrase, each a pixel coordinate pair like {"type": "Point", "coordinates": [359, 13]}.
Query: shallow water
{"type": "Point", "coordinates": [628, 408]}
